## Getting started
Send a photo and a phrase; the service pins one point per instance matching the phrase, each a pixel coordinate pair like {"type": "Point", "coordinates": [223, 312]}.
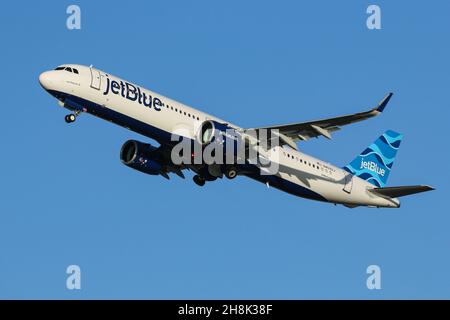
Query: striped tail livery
{"type": "Point", "coordinates": [375, 163]}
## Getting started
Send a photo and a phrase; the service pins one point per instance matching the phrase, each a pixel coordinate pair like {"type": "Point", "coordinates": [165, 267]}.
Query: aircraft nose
{"type": "Point", "coordinates": [45, 79]}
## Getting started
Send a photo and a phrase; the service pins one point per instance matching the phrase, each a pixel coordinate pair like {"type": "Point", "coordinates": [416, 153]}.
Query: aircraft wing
{"type": "Point", "coordinates": [291, 133]}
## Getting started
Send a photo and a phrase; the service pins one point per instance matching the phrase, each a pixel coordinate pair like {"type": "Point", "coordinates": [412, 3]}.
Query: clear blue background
{"type": "Point", "coordinates": [67, 199]}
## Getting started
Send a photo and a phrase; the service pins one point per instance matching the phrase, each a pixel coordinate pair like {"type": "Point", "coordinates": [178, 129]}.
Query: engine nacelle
{"type": "Point", "coordinates": [140, 156]}
{"type": "Point", "coordinates": [220, 136]}
{"type": "Point", "coordinates": [213, 131]}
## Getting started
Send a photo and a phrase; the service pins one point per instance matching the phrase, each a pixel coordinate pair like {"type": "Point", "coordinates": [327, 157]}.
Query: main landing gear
{"type": "Point", "coordinates": [71, 117]}
{"type": "Point", "coordinates": [199, 180]}
{"type": "Point", "coordinates": [231, 172]}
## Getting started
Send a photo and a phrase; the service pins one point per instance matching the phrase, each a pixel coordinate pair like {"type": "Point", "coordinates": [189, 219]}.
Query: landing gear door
{"type": "Point", "coordinates": [348, 183]}
{"type": "Point", "coordinates": [95, 79]}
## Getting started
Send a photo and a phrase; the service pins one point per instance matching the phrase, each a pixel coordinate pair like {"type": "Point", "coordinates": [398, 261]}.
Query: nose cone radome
{"type": "Point", "coordinates": [45, 79]}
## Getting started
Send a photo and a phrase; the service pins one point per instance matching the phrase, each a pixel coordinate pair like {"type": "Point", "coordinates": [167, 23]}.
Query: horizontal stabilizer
{"type": "Point", "coordinates": [395, 192]}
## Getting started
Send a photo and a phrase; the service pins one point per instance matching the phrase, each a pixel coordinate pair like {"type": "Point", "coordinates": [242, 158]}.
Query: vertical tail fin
{"type": "Point", "coordinates": [375, 163]}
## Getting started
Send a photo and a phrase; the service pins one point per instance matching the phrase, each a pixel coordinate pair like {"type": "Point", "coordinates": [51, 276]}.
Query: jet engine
{"type": "Point", "coordinates": [213, 131]}
{"type": "Point", "coordinates": [141, 156]}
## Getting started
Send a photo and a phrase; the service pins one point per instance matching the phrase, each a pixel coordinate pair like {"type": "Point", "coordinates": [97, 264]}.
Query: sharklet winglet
{"type": "Point", "coordinates": [384, 102]}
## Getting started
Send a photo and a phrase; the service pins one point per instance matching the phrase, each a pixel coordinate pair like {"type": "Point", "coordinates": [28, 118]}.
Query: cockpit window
{"type": "Point", "coordinates": [68, 69]}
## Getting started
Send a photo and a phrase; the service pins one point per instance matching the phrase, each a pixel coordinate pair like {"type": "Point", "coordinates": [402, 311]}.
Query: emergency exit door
{"type": "Point", "coordinates": [348, 183]}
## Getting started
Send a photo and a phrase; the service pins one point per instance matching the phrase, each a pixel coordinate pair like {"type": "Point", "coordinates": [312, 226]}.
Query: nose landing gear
{"type": "Point", "coordinates": [72, 117]}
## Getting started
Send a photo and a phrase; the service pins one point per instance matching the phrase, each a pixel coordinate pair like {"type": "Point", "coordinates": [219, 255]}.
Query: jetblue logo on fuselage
{"type": "Point", "coordinates": [132, 93]}
{"type": "Point", "coordinates": [372, 166]}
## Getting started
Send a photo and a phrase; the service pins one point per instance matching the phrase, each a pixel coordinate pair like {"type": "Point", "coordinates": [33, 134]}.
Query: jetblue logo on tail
{"type": "Point", "coordinates": [375, 163]}
{"type": "Point", "coordinates": [372, 166]}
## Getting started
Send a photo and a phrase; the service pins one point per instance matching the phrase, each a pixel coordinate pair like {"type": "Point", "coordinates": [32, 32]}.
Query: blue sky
{"type": "Point", "coordinates": [67, 199]}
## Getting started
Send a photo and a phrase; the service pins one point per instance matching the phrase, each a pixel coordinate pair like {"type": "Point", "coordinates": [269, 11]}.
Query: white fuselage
{"type": "Point", "coordinates": [154, 115]}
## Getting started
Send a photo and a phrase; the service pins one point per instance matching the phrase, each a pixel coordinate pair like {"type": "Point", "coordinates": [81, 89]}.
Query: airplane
{"type": "Point", "coordinates": [362, 182]}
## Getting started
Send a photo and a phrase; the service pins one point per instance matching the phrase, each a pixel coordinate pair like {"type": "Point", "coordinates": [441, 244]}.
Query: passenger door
{"type": "Point", "coordinates": [95, 79]}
